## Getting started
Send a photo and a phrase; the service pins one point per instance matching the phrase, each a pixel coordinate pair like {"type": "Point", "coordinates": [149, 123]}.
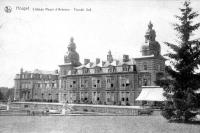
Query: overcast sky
{"type": "Point", "coordinates": [39, 39]}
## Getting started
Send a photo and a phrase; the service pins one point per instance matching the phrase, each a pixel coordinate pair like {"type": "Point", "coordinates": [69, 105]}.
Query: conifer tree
{"type": "Point", "coordinates": [185, 59]}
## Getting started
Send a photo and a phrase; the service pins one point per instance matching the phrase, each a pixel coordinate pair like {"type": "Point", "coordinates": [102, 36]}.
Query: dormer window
{"type": "Point", "coordinates": [111, 69]}
{"type": "Point", "coordinates": [85, 70]}
{"type": "Point", "coordinates": [74, 71]}
{"type": "Point", "coordinates": [97, 70]}
{"type": "Point", "coordinates": [125, 68]}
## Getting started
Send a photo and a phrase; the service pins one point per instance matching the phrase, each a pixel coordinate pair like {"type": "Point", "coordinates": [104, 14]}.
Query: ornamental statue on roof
{"type": "Point", "coordinates": [151, 46]}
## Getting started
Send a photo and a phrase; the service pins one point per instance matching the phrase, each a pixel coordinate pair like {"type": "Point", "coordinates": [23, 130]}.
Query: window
{"type": "Point", "coordinates": [134, 68]}
{"type": "Point", "coordinates": [97, 70]}
{"type": "Point", "coordinates": [111, 85]}
{"type": "Point", "coordinates": [127, 82]}
{"type": "Point", "coordinates": [124, 82]}
{"type": "Point", "coordinates": [144, 66]}
{"type": "Point", "coordinates": [96, 83]}
{"type": "Point", "coordinates": [111, 69]}
{"type": "Point", "coordinates": [145, 82]}
{"type": "Point", "coordinates": [53, 85]}
{"type": "Point", "coordinates": [64, 84]}
{"type": "Point", "coordinates": [74, 71]}
{"type": "Point", "coordinates": [65, 96]}
{"type": "Point", "coordinates": [64, 72]}
{"type": "Point", "coordinates": [127, 96]}
{"type": "Point", "coordinates": [109, 82]}
{"type": "Point", "coordinates": [122, 98]}
{"type": "Point", "coordinates": [85, 70]}
{"type": "Point", "coordinates": [158, 68]}
{"type": "Point", "coordinates": [108, 97]}
{"type": "Point", "coordinates": [83, 83]}
{"type": "Point", "coordinates": [125, 68]}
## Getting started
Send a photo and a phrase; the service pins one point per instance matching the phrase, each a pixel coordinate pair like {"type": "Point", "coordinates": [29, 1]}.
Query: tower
{"type": "Point", "coordinates": [71, 59]}
{"type": "Point", "coordinates": [72, 56]}
{"type": "Point", "coordinates": [151, 65]}
{"type": "Point", "coordinates": [151, 46]}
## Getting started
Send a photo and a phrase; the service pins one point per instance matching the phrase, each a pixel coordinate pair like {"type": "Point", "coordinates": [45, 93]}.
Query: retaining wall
{"type": "Point", "coordinates": [109, 109]}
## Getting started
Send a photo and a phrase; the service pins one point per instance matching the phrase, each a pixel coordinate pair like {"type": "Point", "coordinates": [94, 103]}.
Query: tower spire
{"type": "Point", "coordinates": [150, 33]}
{"type": "Point", "coordinates": [150, 25]}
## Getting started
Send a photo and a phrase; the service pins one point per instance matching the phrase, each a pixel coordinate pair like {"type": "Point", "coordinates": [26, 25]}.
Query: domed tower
{"type": "Point", "coordinates": [151, 46]}
{"type": "Point", "coordinates": [72, 56]}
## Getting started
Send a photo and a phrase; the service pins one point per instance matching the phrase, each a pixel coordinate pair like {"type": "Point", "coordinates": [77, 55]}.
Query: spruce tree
{"type": "Point", "coordinates": [184, 58]}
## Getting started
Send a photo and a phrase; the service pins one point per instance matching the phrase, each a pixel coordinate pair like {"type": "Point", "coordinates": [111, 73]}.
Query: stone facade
{"type": "Point", "coordinates": [113, 82]}
{"type": "Point", "coordinates": [37, 86]}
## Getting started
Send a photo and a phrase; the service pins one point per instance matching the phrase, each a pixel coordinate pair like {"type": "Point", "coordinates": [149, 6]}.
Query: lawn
{"type": "Point", "coordinates": [92, 124]}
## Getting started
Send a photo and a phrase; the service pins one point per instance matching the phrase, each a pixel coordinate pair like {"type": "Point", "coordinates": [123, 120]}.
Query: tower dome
{"type": "Point", "coordinates": [72, 56]}
{"type": "Point", "coordinates": [151, 46]}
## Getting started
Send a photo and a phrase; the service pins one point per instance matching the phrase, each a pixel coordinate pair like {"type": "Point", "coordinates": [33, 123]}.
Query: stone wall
{"type": "Point", "coordinates": [108, 109]}
{"type": "Point", "coordinates": [83, 108]}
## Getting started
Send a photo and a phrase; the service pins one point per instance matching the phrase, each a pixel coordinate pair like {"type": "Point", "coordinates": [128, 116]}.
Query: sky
{"type": "Point", "coordinates": [35, 34]}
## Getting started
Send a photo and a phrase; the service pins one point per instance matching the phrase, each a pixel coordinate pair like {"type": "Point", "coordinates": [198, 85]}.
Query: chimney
{"type": "Point", "coordinates": [56, 71]}
{"type": "Point", "coordinates": [103, 63]}
{"type": "Point", "coordinates": [125, 58]}
{"type": "Point", "coordinates": [97, 61]}
{"type": "Point", "coordinates": [21, 70]}
{"type": "Point", "coordinates": [109, 56]}
{"type": "Point", "coordinates": [86, 61]}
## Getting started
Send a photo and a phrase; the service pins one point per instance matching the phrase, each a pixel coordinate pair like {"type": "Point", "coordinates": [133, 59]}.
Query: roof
{"type": "Point", "coordinates": [88, 65]}
{"type": "Point", "coordinates": [107, 63]}
{"type": "Point", "coordinates": [44, 72]}
{"type": "Point", "coordinates": [97, 65]}
{"type": "Point", "coordinates": [150, 56]}
{"type": "Point", "coordinates": [151, 93]}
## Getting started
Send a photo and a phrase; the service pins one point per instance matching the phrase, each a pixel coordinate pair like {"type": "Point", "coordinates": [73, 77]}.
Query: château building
{"type": "Point", "coordinates": [37, 85]}
{"type": "Point", "coordinates": [113, 81]}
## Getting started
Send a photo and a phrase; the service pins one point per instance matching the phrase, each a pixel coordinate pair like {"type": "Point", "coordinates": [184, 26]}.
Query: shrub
{"type": "Point", "coordinates": [167, 113]}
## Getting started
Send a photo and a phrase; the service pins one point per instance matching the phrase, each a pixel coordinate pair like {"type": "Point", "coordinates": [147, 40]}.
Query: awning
{"type": "Point", "coordinates": [151, 93]}
{"type": "Point", "coordinates": [197, 91]}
